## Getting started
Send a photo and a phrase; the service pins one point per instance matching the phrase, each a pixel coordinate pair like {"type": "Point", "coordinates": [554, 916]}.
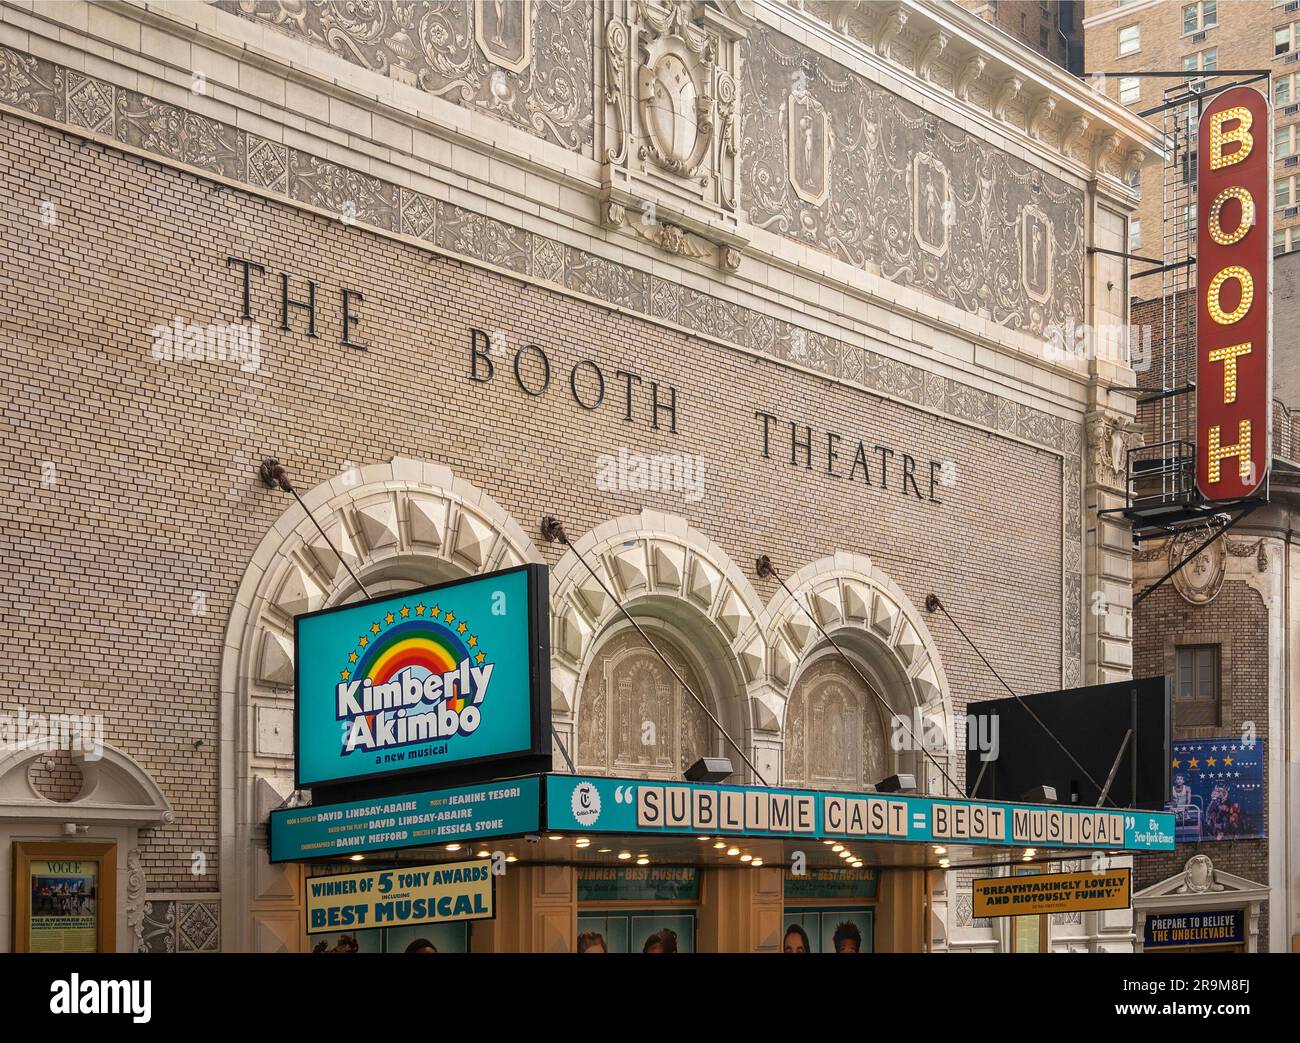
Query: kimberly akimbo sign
{"type": "Point", "coordinates": [1052, 893]}
{"type": "Point", "coordinates": [400, 897]}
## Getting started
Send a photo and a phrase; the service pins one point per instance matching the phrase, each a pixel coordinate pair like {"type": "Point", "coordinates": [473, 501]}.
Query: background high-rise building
{"type": "Point", "coordinates": [1200, 36]}
{"type": "Point", "coordinates": [1050, 27]}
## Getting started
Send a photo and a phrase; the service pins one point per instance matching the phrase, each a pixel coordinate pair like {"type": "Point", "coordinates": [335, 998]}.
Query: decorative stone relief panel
{"type": "Point", "coordinates": [910, 197]}
{"type": "Point", "coordinates": [526, 63]}
{"type": "Point", "coordinates": [636, 718]}
{"type": "Point", "coordinates": [835, 738]}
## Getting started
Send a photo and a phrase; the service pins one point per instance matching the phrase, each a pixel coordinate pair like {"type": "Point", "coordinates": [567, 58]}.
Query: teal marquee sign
{"type": "Point", "coordinates": [433, 817]}
{"type": "Point", "coordinates": [604, 805]}
{"type": "Point", "coordinates": [444, 676]}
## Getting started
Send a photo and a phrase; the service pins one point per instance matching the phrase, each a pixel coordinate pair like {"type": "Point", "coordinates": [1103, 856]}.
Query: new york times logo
{"type": "Point", "coordinates": [74, 996]}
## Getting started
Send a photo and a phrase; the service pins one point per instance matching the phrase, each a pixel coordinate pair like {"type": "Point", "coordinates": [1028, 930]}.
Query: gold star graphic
{"type": "Point", "coordinates": [479, 658]}
{"type": "Point", "coordinates": [375, 629]}
{"type": "Point", "coordinates": [451, 616]}
{"type": "Point", "coordinates": [435, 611]}
{"type": "Point", "coordinates": [1176, 763]}
{"type": "Point", "coordinates": [1193, 763]}
{"type": "Point", "coordinates": [352, 657]}
{"type": "Point", "coordinates": [1210, 762]}
{"type": "Point", "coordinates": [461, 629]}
{"type": "Point", "coordinates": [364, 640]}
{"type": "Point", "coordinates": [472, 640]}
{"type": "Point", "coordinates": [406, 611]}
{"type": "Point", "coordinates": [419, 609]}
{"type": "Point", "coordinates": [388, 618]}
{"type": "Point", "coordinates": [1227, 760]}
{"type": "Point", "coordinates": [343, 674]}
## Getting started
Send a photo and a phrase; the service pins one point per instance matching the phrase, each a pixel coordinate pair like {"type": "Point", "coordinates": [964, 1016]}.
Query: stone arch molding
{"type": "Point", "coordinates": [849, 596]}
{"type": "Point", "coordinates": [653, 556]}
{"type": "Point", "coordinates": [645, 559]}
{"type": "Point", "coordinates": [115, 788]}
{"type": "Point", "coordinates": [396, 524]}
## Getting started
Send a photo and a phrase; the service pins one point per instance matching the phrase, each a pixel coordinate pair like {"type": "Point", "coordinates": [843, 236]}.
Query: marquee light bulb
{"type": "Point", "coordinates": [1240, 134]}
{"type": "Point", "coordinates": [1246, 223]}
{"type": "Point", "coordinates": [733, 851]}
{"type": "Point", "coordinates": [756, 863]}
{"type": "Point", "coordinates": [1217, 452]}
{"type": "Point", "coordinates": [1243, 277]}
{"type": "Point", "coordinates": [643, 861]}
{"type": "Point", "coordinates": [625, 855]}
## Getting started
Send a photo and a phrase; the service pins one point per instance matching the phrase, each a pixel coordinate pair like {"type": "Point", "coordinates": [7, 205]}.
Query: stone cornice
{"type": "Point", "coordinates": [982, 73]}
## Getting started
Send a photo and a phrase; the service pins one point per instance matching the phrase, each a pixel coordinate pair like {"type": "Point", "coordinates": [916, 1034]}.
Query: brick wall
{"type": "Point", "coordinates": [119, 577]}
{"type": "Point", "coordinates": [1236, 619]}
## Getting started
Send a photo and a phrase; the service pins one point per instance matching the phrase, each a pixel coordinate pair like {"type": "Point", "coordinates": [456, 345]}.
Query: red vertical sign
{"type": "Point", "coordinates": [1234, 264]}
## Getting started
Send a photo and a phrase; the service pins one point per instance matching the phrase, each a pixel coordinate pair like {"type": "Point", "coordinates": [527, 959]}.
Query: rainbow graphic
{"type": "Point", "coordinates": [430, 644]}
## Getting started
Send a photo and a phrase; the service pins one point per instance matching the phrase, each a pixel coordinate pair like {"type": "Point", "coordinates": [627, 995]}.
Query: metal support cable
{"type": "Point", "coordinates": [932, 603]}
{"type": "Point", "coordinates": [553, 531]}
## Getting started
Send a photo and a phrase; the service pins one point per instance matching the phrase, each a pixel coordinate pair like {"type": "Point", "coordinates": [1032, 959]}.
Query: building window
{"type": "Point", "coordinates": [1130, 90]}
{"type": "Point", "coordinates": [1283, 141]}
{"type": "Point", "coordinates": [1284, 39]}
{"type": "Point", "coordinates": [1134, 235]}
{"type": "Point", "coordinates": [1202, 61]}
{"type": "Point", "coordinates": [1284, 191]}
{"type": "Point", "coordinates": [1196, 689]}
{"type": "Point", "coordinates": [1042, 36]}
{"type": "Point", "coordinates": [1283, 89]}
{"type": "Point", "coordinates": [1198, 16]}
{"type": "Point", "coordinates": [1129, 39]}
{"type": "Point", "coordinates": [1285, 240]}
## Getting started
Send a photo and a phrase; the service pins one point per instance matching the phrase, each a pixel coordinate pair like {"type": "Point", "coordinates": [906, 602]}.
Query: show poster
{"type": "Point", "coordinates": [64, 909]}
{"type": "Point", "coordinates": [437, 677]}
{"type": "Point", "coordinates": [1218, 790]}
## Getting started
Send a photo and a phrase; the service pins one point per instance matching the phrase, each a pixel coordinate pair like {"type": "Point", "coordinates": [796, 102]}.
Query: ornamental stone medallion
{"type": "Point", "coordinates": [675, 90]}
{"type": "Point", "coordinates": [1201, 579]}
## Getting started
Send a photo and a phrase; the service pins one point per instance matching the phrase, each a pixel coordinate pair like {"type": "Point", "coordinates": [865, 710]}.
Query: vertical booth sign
{"type": "Point", "coordinates": [1234, 263]}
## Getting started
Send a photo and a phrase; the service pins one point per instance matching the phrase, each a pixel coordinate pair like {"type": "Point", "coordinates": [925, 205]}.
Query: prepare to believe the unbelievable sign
{"type": "Point", "coordinates": [1234, 259]}
{"type": "Point", "coordinates": [431, 678]}
{"type": "Point", "coordinates": [494, 809]}
{"type": "Point", "coordinates": [605, 805]}
{"type": "Point", "coordinates": [1052, 893]}
{"type": "Point", "coordinates": [400, 897]}
{"type": "Point", "coordinates": [1217, 927]}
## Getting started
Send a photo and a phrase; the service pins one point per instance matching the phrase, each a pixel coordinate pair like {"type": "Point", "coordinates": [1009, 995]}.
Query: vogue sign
{"type": "Point", "coordinates": [1234, 264]}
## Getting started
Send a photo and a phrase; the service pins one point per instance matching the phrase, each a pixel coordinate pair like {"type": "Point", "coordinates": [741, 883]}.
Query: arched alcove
{"type": "Point", "coordinates": [685, 592]}
{"type": "Point", "coordinates": [397, 525]}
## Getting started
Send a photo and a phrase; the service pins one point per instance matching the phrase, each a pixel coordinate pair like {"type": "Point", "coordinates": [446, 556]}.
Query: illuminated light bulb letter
{"type": "Point", "coordinates": [1229, 356]}
{"type": "Point", "coordinates": [1240, 134]}
{"type": "Point", "coordinates": [1246, 223]}
{"type": "Point", "coordinates": [1243, 277]}
{"type": "Point", "coordinates": [1224, 452]}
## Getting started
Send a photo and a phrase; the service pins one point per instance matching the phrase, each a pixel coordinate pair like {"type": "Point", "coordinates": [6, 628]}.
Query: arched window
{"type": "Point", "coordinates": [836, 736]}
{"type": "Point", "coordinates": [635, 718]}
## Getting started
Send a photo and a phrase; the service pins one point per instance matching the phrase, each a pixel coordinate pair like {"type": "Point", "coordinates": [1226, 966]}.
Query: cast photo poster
{"type": "Point", "coordinates": [1217, 790]}
{"type": "Point", "coordinates": [64, 910]}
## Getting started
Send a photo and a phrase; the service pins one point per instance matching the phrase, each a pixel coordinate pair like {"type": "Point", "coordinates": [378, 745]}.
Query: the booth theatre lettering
{"type": "Point", "coordinates": [830, 454]}
{"type": "Point", "coordinates": [636, 398]}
